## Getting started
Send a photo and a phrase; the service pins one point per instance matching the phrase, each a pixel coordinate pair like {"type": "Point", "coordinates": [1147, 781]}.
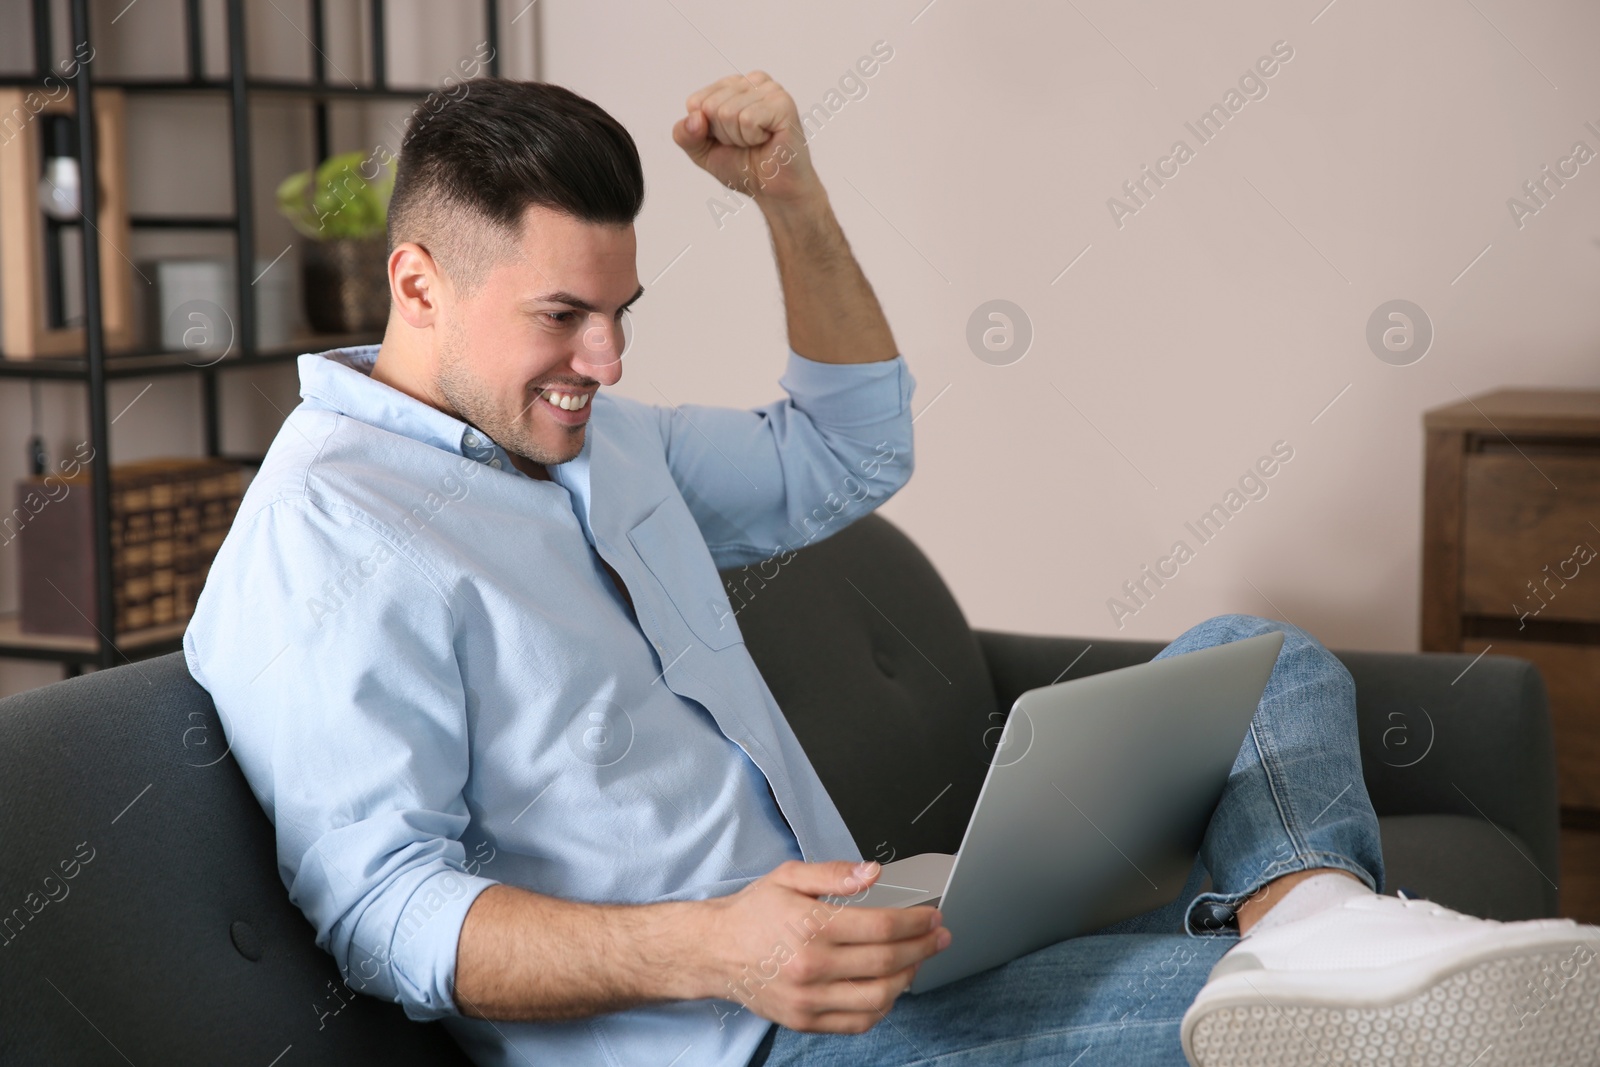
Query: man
{"type": "Point", "coordinates": [471, 651]}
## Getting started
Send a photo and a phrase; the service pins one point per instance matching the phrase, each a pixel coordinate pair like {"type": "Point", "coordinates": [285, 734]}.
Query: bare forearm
{"type": "Point", "coordinates": [777, 946]}
{"type": "Point", "coordinates": [526, 957]}
{"type": "Point", "coordinates": [833, 314]}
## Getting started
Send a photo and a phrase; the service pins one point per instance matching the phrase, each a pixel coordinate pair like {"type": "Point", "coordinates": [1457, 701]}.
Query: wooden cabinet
{"type": "Point", "coordinates": [1511, 553]}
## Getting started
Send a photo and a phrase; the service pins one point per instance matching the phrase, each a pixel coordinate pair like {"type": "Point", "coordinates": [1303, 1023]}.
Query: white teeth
{"type": "Point", "coordinates": [566, 401]}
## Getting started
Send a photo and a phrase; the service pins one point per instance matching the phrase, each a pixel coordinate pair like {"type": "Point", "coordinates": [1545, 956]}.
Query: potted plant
{"type": "Point", "coordinates": [343, 206]}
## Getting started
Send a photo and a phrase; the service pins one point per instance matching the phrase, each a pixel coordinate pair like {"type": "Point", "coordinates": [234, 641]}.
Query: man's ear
{"type": "Point", "coordinates": [416, 284]}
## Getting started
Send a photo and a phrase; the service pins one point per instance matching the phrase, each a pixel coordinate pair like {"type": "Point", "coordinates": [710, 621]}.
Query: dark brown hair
{"type": "Point", "coordinates": [475, 159]}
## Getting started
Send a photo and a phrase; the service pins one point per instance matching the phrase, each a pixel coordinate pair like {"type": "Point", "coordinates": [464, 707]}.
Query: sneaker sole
{"type": "Point", "coordinates": [1510, 1007]}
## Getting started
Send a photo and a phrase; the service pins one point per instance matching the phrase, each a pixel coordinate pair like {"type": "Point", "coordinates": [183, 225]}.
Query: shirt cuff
{"type": "Point", "coordinates": [426, 939]}
{"type": "Point", "coordinates": [851, 394]}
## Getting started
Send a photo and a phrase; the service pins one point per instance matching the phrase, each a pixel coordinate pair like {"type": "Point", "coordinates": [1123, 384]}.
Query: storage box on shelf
{"type": "Point", "coordinates": [168, 518]}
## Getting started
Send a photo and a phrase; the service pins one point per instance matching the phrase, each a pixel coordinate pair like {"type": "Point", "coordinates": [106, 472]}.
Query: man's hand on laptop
{"type": "Point", "coordinates": [745, 131]}
{"type": "Point", "coordinates": [810, 964]}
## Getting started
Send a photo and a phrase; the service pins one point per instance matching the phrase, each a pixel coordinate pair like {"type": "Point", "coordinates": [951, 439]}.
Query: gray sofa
{"type": "Point", "coordinates": [172, 939]}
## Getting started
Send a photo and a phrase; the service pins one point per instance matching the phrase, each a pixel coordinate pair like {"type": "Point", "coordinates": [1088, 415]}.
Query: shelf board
{"type": "Point", "coordinates": [183, 222]}
{"type": "Point", "coordinates": [153, 640]}
{"type": "Point", "coordinates": [279, 86]}
{"type": "Point", "coordinates": [144, 364]}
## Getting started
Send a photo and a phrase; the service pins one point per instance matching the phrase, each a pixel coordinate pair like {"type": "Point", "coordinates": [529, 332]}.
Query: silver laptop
{"type": "Point", "coordinates": [1093, 810]}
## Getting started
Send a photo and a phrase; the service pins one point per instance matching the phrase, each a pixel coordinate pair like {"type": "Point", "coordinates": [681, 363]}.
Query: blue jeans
{"type": "Point", "coordinates": [1295, 800]}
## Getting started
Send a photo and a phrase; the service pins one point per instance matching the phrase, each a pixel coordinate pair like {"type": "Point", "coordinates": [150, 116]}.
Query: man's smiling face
{"type": "Point", "coordinates": [522, 357]}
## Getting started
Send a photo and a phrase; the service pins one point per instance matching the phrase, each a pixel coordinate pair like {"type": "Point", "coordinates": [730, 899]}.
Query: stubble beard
{"type": "Point", "coordinates": [474, 403]}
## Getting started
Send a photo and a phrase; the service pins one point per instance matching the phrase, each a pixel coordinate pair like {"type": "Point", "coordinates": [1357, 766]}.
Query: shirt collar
{"type": "Point", "coordinates": [341, 379]}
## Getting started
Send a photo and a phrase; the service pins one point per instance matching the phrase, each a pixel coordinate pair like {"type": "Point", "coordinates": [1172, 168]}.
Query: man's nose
{"type": "Point", "coordinates": [600, 349]}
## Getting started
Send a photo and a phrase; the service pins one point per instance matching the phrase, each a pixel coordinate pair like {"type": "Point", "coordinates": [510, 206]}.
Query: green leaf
{"type": "Point", "coordinates": [348, 196]}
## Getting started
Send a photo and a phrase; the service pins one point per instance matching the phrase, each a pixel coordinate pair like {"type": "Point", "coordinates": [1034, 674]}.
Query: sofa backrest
{"type": "Point", "coordinates": [882, 680]}
{"type": "Point", "coordinates": [143, 913]}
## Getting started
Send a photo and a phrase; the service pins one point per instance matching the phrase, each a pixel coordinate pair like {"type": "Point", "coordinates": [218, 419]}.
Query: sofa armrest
{"type": "Point", "coordinates": [1444, 735]}
{"type": "Point", "coordinates": [1434, 740]}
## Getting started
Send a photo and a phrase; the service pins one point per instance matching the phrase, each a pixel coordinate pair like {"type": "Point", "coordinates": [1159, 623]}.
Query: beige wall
{"type": "Point", "coordinates": [1219, 319]}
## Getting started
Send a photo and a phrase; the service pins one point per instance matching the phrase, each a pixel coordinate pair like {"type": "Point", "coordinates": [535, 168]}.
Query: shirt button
{"type": "Point", "coordinates": [495, 463]}
{"type": "Point", "coordinates": [472, 440]}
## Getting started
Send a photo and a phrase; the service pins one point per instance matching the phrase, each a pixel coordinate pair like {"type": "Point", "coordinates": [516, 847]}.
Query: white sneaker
{"type": "Point", "coordinates": [1386, 980]}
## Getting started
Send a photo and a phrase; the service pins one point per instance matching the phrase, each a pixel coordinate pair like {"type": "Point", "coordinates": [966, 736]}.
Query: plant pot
{"type": "Point", "coordinates": [347, 285]}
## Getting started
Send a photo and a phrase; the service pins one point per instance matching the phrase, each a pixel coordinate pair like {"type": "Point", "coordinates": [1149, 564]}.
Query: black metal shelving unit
{"type": "Point", "coordinates": [95, 367]}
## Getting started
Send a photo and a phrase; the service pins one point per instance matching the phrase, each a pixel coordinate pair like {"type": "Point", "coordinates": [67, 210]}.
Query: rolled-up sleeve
{"type": "Point", "coordinates": [330, 655]}
{"type": "Point", "coordinates": [797, 470]}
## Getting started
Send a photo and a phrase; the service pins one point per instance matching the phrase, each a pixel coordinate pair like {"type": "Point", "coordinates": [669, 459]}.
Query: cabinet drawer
{"type": "Point", "coordinates": [1572, 676]}
{"type": "Point", "coordinates": [1527, 546]}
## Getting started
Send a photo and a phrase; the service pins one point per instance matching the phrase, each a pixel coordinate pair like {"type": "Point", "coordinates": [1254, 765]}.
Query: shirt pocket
{"type": "Point", "coordinates": [670, 544]}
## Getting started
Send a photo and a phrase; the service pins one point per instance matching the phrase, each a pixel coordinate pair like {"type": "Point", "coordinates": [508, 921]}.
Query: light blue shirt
{"type": "Point", "coordinates": [432, 685]}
